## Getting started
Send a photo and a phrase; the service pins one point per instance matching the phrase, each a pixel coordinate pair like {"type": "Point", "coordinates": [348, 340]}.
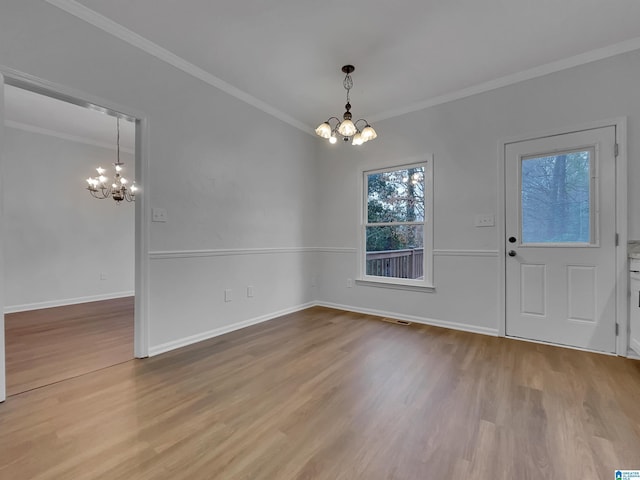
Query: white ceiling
{"type": "Point", "coordinates": [287, 54]}
{"type": "Point", "coordinates": [38, 113]}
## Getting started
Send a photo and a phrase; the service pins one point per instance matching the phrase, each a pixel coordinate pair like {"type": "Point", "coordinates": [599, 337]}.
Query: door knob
{"type": "Point", "coordinates": [512, 253]}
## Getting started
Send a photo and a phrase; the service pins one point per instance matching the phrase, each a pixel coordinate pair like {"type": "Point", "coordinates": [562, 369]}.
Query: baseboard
{"type": "Point", "coordinates": [412, 318]}
{"type": "Point", "coordinates": [66, 301]}
{"type": "Point", "coordinates": [183, 342]}
{"type": "Point", "coordinates": [634, 349]}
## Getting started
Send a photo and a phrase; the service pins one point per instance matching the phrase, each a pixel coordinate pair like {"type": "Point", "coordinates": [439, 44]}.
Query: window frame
{"type": "Point", "coordinates": [392, 282]}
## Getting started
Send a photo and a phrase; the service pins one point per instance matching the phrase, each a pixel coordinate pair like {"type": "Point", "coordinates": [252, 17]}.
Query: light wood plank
{"type": "Point", "coordinates": [53, 344]}
{"type": "Point", "coordinates": [330, 395]}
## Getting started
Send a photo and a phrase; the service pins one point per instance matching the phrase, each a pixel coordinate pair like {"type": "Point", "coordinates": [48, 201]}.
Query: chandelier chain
{"type": "Point", "coordinates": [347, 83]}
{"type": "Point", "coordinates": [118, 140]}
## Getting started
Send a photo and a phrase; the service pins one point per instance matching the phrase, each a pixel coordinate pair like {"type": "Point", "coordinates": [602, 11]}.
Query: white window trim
{"type": "Point", "coordinates": [426, 284]}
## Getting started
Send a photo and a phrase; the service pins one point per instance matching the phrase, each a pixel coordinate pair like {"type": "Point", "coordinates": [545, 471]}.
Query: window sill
{"type": "Point", "coordinates": [396, 286]}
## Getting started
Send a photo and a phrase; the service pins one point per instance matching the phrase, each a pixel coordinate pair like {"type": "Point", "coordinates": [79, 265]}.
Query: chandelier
{"type": "Point", "coordinates": [347, 129]}
{"type": "Point", "coordinates": [102, 187]}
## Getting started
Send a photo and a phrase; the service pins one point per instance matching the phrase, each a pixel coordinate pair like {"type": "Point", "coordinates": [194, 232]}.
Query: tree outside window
{"type": "Point", "coordinates": [556, 198]}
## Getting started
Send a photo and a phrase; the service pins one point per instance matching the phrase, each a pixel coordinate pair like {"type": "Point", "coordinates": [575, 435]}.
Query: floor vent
{"type": "Point", "coordinates": [397, 322]}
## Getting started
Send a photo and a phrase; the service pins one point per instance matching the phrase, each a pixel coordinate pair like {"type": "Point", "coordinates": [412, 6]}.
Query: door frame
{"type": "Point", "coordinates": [621, 207]}
{"type": "Point", "coordinates": [15, 78]}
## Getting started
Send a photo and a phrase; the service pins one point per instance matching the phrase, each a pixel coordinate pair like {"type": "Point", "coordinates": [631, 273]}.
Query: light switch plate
{"type": "Point", "coordinates": [485, 220]}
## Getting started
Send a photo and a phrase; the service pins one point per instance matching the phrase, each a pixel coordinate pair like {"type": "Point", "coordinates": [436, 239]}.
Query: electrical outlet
{"type": "Point", "coordinates": [228, 295]}
{"type": "Point", "coordinates": [103, 276]}
{"type": "Point", "coordinates": [250, 291]}
{"type": "Point", "coordinates": [349, 283]}
{"type": "Point", "coordinates": [158, 215]}
{"type": "Point", "coordinates": [484, 220]}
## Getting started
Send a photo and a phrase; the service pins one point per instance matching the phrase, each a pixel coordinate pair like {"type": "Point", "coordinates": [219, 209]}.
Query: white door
{"type": "Point", "coordinates": [560, 239]}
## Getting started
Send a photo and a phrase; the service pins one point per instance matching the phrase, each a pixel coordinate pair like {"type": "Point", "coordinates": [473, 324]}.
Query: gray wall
{"type": "Point", "coordinates": [464, 136]}
{"type": "Point", "coordinates": [58, 239]}
{"type": "Point", "coordinates": [253, 201]}
{"type": "Point", "coordinates": [237, 184]}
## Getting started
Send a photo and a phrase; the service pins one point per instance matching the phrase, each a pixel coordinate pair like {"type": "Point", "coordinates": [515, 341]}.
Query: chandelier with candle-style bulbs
{"type": "Point", "coordinates": [347, 129]}
{"type": "Point", "coordinates": [116, 187]}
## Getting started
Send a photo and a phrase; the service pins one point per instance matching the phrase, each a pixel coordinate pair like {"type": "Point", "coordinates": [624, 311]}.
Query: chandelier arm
{"type": "Point", "coordinates": [337, 133]}
{"type": "Point", "coordinates": [360, 120]}
{"type": "Point", "coordinates": [97, 194]}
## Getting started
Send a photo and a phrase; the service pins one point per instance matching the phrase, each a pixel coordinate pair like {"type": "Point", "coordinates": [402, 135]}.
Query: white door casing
{"type": "Point", "coordinates": [3, 389]}
{"type": "Point", "coordinates": [561, 281]}
{"type": "Point", "coordinates": [634, 307]}
{"type": "Point", "coordinates": [142, 220]}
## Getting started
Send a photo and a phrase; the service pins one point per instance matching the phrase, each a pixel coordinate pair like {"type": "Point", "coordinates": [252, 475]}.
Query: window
{"type": "Point", "coordinates": [557, 198]}
{"type": "Point", "coordinates": [396, 229]}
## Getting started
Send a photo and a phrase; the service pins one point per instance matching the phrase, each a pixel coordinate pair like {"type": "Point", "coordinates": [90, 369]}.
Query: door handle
{"type": "Point", "coordinates": [512, 253]}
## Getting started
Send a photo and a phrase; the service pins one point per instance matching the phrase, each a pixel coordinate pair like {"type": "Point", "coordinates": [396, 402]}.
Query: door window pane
{"type": "Point", "coordinates": [556, 198]}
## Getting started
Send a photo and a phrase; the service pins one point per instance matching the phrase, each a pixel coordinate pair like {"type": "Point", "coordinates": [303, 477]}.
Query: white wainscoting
{"type": "Point", "coordinates": [225, 252]}
{"type": "Point", "coordinates": [464, 253]}
{"type": "Point", "coordinates": [464, 297]}
{"type": "Point", "coordinates": [183, 342]}
{"type": "Point", "coordinates": [187, 288]}
{"type": "Point", "coordinates": [187, 291]}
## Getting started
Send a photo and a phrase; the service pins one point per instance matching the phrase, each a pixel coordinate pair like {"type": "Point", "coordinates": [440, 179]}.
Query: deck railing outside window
{"type": "Point", "coordinates": [407, 263]}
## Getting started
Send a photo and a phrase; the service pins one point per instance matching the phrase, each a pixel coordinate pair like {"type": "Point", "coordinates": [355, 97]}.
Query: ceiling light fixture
{"type": "Point", "coordinates": [347, 129]}
{"type": "Point", "coordinates": [118, 190]}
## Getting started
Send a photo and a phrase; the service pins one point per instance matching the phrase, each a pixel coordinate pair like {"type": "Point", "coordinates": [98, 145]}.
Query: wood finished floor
{"type": "Point", "coordinates": [324, 394]}
{"type": "Point", "coordinates": [53, 344]}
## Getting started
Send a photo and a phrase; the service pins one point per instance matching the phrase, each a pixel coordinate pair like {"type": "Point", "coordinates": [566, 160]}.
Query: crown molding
{"type": "Point", "coordinates": [63, 136]}
{"type": "Point", "coordinates": [100, 21]}
{"type": "Point", "coordinates": [103, 23]}
{"type": "Point", "coordinates": [540, 71]}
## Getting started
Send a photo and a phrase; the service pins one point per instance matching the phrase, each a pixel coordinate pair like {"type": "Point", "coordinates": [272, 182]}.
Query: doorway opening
{"type": "Point", "coordinates": [69, 259]}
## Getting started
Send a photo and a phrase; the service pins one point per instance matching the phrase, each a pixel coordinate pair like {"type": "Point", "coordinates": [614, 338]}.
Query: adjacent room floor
{"type": "Point", "coordinates": [330, 395]}
{"type": "Point", "coordinates": [53, 344]}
